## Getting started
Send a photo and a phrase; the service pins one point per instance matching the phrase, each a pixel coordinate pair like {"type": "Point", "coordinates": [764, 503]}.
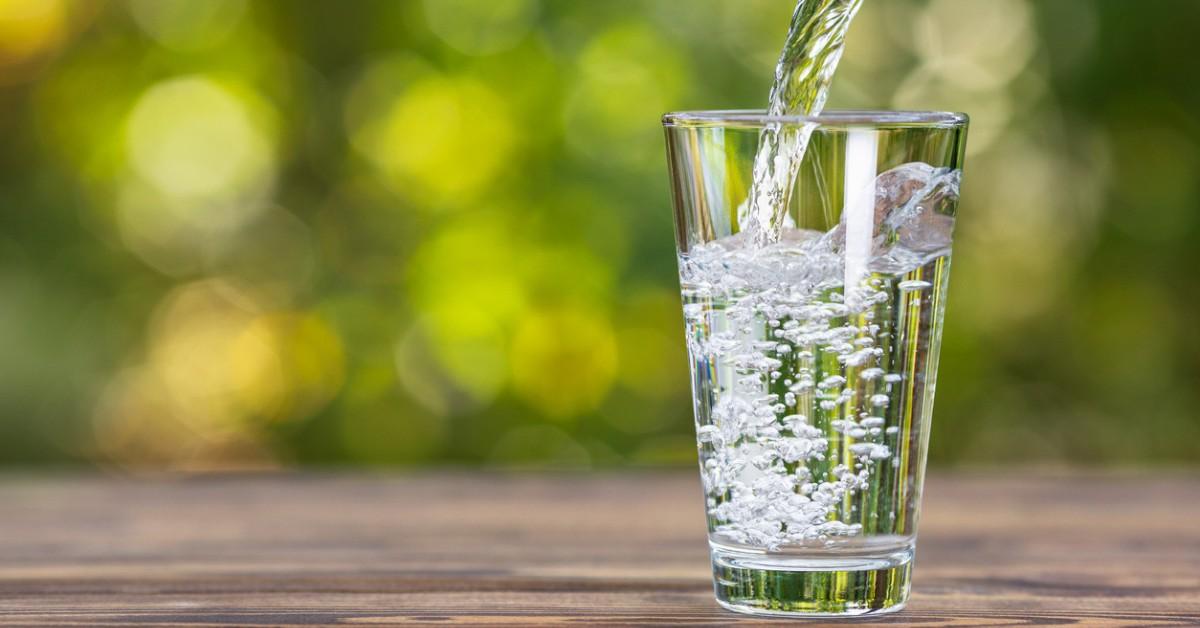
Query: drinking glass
{"type": "Point", "coordinates": [813, 343]}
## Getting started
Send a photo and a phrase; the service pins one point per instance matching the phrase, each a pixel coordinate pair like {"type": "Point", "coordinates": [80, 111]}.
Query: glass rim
{"type": "Point", "coordinates": [844, 118]}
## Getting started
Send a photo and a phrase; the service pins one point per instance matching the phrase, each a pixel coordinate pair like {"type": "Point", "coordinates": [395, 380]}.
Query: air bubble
{"type": "Point", "coordinates": [831, 381]}
{"type": "Point", "coordinates": [780, 319]}
{"type": "Point", "coordinates": [913, 284]}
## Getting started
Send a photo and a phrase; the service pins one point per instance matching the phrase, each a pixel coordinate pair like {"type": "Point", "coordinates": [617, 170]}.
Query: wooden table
{"type": "Point", "coordinates": [616, 549]}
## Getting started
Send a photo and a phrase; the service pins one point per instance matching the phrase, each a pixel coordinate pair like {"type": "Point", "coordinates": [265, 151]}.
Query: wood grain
{"type": "Point", "coordinates": [490, 549]}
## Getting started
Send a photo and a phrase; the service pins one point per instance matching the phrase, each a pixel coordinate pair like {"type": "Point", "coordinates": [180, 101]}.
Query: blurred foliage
{"type": "Point", "coordinates": [244, 233]}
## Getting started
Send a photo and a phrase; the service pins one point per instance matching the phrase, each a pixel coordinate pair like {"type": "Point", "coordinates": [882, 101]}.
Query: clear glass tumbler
{"type": "Point", "coordinates": [814, 352]}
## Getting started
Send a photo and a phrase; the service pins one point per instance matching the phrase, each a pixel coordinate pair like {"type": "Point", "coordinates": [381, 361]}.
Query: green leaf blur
{"type": "Point", "coordinates": [251, 233]}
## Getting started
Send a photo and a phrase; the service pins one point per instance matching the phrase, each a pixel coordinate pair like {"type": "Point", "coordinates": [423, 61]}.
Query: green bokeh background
{"type": "Point", "coordinates": [250, 234]}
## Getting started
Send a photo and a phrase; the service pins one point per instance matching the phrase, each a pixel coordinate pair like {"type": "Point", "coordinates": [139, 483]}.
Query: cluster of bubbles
{"type": "Point", "coordinates": [795, 403]}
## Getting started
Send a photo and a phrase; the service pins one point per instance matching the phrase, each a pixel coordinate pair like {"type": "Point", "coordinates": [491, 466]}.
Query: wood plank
{"type": "Point", "coordinates": [491, 549]}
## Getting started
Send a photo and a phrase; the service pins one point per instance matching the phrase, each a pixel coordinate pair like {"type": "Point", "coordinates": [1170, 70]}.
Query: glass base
{"type": "Point", "coordinates": [807, 585]}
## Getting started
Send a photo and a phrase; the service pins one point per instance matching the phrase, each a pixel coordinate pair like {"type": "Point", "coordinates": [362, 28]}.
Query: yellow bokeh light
{"type": "Point", "coordinates": [564, 361]}
{"type": "Point", "coordinates": [478, 28]}
{"type": "Point", "coordinates": [136, 426]}
{"type": "Point", "coordinates": [218, 370]}
{"type": "Point", "coordinates": [224, 361]}
{"type": "Point", "coordinates": [194, 139]}
{"type": "Point", "coordinates": [202, 165]}
{"type": "Point", "coordinates": [286, 366]}
{"type": "Point", "coordinates": [440, 141]}
{"type": "Point", "coordinates": [30, 28]}
{"type": "Point", "coordinates": [193, 338]}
